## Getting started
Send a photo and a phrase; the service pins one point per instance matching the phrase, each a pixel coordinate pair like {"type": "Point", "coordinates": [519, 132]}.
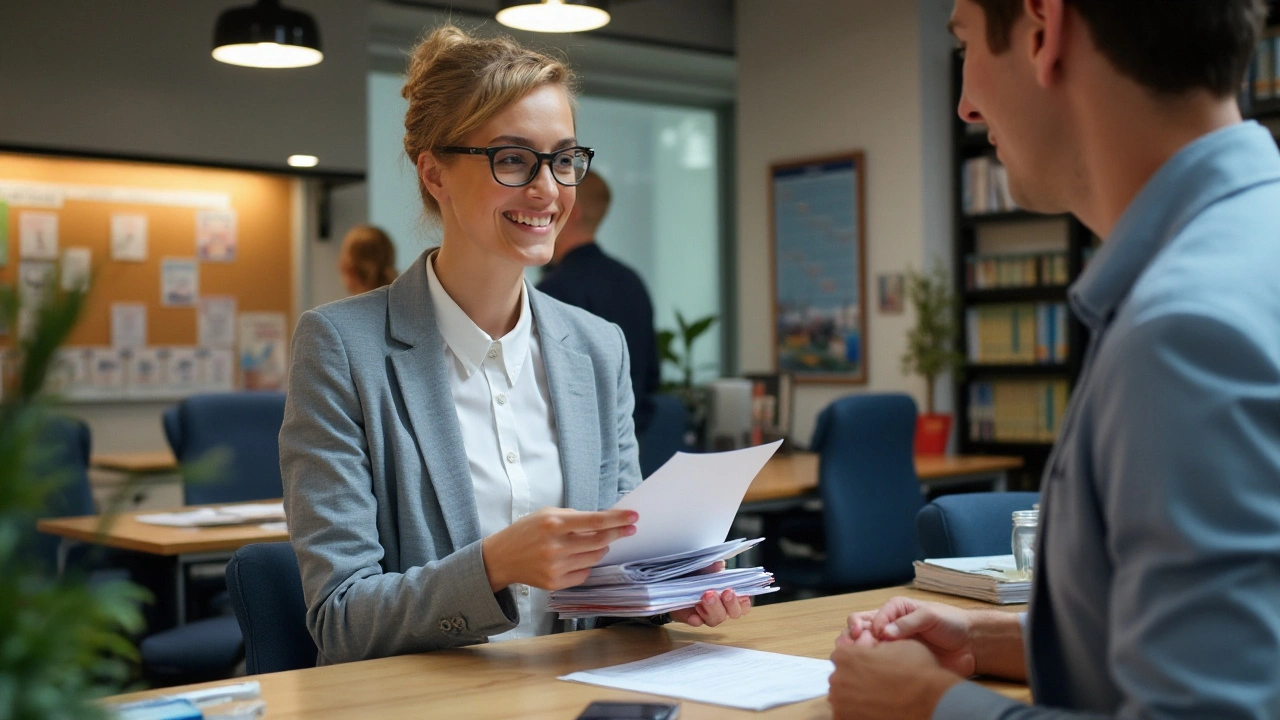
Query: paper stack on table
{"type": "Point", "coordinates": [992, 578]}
{"type": "Point", "coordinates": [686, 508]}
{"type": "Point", "coordinates": [648, 587]}
{"type": "Point", "coordinates": [247, 514]}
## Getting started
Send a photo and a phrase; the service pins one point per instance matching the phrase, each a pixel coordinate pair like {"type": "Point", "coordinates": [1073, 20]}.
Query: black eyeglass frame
{"type": "Point", "coordinates": [493, 150]}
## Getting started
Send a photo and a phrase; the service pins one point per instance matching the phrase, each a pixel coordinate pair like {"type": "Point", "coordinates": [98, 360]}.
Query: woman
{"type": "Point", "coordinates": [438, 481]}
{"type": "Point", "coordinates": [367, 260]}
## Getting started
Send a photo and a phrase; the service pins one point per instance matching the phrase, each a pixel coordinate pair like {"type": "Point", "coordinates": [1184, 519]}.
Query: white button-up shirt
{"type": "Point", "coordinates": [508, 428]}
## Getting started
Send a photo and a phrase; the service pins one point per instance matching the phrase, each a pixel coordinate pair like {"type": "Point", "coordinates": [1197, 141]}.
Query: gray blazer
{"type": "Point", "coordinates": [377, 487]}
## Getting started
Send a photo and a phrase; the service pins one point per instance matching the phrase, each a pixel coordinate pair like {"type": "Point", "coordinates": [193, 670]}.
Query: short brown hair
{"type": "Point", "coordinates": [456, 82]}
{"type": "Point", "coordinates": [372, 255]}
{"type": "Point", "coordinates": [1167, 46]}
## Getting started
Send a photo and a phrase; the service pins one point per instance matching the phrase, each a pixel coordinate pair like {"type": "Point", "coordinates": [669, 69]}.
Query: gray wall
{"type": "Point", "coordinates": [135, 77]}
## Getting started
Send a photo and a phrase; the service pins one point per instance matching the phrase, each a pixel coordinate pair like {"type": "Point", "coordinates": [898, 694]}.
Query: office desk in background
{"type": "Point", "coordinates": [517, 678]}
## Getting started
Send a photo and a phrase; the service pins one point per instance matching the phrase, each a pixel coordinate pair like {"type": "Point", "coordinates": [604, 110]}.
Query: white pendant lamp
{"type": "Point", "coordinates": [266, 35]}
{"type": "Point", "coordinates": [554, 16]}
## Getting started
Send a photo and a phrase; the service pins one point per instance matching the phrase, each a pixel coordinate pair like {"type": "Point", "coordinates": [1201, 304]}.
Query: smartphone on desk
{"type": "Point", "coordinates": [600, 710]}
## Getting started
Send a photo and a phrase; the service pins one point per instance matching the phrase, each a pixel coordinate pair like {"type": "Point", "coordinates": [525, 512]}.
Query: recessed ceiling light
{"type": "Point", "coordinates": [303, 160]}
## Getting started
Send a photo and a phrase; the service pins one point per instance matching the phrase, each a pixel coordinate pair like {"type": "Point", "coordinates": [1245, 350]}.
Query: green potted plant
{"type": "Point", "coordinates": [63, 641]}
{"type": "Point", "coordinates": [693, 395]}
{"type": "Point", "coordinates": [931, 352]}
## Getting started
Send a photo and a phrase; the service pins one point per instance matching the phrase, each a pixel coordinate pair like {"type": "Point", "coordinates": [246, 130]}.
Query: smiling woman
{"type": "Point", "coordinates": [450, 440]}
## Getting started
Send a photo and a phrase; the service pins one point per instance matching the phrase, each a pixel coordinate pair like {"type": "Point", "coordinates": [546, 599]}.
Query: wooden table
{"type": "Point", "coordinates": [187, 546]}
{"type": "Point", "coordinates": [788, 477]}
{"type": "Point", "coordinates": [516, 678]}
{"type": "Point", "coordinates": [159, 461]}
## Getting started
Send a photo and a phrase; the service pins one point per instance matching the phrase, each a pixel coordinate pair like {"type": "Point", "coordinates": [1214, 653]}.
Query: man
{"type": "Point", "coordinates": [1157, 585]}
{"type": "Point", "coordinates": [582, 275]}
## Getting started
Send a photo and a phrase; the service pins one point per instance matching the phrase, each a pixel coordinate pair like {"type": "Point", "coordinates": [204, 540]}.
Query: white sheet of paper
{"type": "Point", "coordinates": [38, 236]}
{"type": "Point", "coordinates": [179, 282]}
{"type": "Point", "coordinates": [144, 369]}
{"type": "Point", "coordinates": [718, 675]}
{"type": "Point", "coordinates": [688, 503]}
{"type": "Point", "coordinates": [129, 238]}
{"type": "Point", "coordinates": [36, 280]}
{"type": "Point", "coordinates": [216, 235]}
{"type": "Point", "coordinates": [181, 369]}
{"type": "Point", "coordinates": [106, 370]}
{"type": "Point", "coordinates": [128, 325]}
{"type": "Point", "coordinates": [76, 266]}
{"type": "Point", "coordinates": [216, 320]}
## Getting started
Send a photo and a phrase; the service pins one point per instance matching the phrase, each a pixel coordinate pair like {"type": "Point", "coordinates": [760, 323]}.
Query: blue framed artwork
{"type": "Point", "coordinates": [818, 231]}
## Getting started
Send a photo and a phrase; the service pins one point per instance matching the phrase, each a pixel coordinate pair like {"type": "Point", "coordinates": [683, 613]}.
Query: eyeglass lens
{"type": "Point", "coordinates": [517, 166]}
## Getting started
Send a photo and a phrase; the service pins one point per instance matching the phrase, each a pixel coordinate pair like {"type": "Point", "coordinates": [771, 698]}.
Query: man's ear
{"type": "Point", "coordinates": [1046, 23]}
{"type": "Point", "coordinates": [429, 171]}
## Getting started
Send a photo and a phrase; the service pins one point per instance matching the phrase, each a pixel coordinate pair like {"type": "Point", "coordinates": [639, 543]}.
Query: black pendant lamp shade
{"type": "Point", "coordinates": [266, 35]}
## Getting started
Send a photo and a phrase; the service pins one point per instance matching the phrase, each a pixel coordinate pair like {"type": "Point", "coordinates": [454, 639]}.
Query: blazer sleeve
{"type": "Point", "coordinates": [628, 450]}
{"type": "Point", "coordinates": [355, 610]}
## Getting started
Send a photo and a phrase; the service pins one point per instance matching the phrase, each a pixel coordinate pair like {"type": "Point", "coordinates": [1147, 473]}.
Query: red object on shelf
{"type": "Point", "coordinates": [932, 432]}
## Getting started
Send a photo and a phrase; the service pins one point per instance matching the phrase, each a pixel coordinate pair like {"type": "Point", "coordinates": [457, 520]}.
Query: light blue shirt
{"type": "Point", "coordinates": [1157, 593]}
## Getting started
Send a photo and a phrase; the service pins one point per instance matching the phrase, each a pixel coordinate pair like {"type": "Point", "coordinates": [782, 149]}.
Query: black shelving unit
{"type": "Point", "coordinates": [967, 145]}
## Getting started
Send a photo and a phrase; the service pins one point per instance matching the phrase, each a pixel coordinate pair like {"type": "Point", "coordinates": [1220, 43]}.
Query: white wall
{"type": "Point", "coordinates": [135, 77]}
{"type": "Point", "coordinates": [821, 77]}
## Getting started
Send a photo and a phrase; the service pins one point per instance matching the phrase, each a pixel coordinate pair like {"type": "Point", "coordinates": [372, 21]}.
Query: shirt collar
{"type": "Point", "coordinates": [468, 342]}
{"type": "Point", "coordinates": [1206, 170]}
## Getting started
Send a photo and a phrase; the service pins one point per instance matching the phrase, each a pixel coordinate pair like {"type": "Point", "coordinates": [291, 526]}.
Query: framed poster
{"type": "Point", "coordinates": [817, 224]}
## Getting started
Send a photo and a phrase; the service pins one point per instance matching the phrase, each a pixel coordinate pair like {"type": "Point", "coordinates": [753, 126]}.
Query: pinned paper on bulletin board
{"type": "Point", "coordinates": [77, 265]}
{"type": "Point", "coordinates": [128, 325]}
{"type": "Point", "coordinates": [179, 282]}
{"type": "Point", "coordinates": [262, 351]}
{"type": "Point", "coordinates": [4, 233]}
{"type": "Point", "coordinates": [216, 235]}
{"type": "Point", "coordinates": [129, 237]}
{"type": "Point", "coordinates": [38, 236]}
{"type": "Point", "coordinates": [217, 322]}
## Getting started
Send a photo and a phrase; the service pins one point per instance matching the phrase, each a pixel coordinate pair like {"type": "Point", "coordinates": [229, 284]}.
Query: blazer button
{"type": "Point", "coordinates": [446, 627]}
{"type": "Point", "coordinates": [459, 623]}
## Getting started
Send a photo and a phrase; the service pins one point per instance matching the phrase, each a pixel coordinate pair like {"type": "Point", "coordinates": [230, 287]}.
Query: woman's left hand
{"type": "Point", "coordinates": [714, 608]}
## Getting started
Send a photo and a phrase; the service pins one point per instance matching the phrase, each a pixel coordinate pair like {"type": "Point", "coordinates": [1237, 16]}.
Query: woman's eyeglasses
{"type": "Point", "coordinates": [516, 165]}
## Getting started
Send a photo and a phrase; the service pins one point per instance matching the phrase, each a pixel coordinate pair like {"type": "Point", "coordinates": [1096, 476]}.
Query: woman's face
{"type": "Point", "coordinates": [347, 270]}
{"type": "Point", "coordinates": [517, 225]}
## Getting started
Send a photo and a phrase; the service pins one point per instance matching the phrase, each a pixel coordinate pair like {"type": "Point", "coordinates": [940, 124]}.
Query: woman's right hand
{"type": "Point", "coordinates": [945, 630]}
{"type": "Point", "coordinates": [553, 548]}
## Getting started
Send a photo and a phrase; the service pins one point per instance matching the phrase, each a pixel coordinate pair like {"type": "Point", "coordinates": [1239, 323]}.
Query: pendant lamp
{"type": "Point", "coordinates": [266, 35]}
{"type": "Point", "coordinates": [557, 16]}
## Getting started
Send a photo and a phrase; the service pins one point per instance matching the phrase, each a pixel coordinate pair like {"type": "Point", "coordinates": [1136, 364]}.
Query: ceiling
{"type": "Point", "coordinates": [703, 25]}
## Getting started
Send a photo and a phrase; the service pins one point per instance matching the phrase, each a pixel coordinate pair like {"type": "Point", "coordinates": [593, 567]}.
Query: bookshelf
{"type": "Point", "coordinates": [1009, 276]}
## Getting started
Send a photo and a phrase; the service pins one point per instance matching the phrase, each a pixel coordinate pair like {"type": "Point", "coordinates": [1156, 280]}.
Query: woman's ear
{"type": "Point", "coordinates": [429, 172]}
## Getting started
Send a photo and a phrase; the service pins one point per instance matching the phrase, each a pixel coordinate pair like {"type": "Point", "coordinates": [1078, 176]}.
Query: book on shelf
{"type": "Point", "coordinates": [994, 578]}
{"type": "Point", "coordinates": [1264, 70]}
{"type": "Point", "coordinates": [1016, 410]}
{"type": "Point", "coordinates": [985, 187]}
{"type": "Point", "coordinates": [1017, 334]}
{"type": "Point", "coordinates": [1015, 270]}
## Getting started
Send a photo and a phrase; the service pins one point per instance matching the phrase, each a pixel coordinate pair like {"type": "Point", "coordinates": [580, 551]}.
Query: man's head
{"type": "Point", "coordinates": [1050, 77]}
{"type": "Point", "coordinates": [588, 212]}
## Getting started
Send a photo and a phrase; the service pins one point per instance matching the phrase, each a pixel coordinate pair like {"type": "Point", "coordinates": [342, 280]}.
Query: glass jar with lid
{"type": "Point", "coordinates": [1025, 524]}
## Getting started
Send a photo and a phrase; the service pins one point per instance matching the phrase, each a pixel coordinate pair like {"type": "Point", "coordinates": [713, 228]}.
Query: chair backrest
{"type": "Point", "coordinates": [266, 593]}
{"type": "Point", "coordinates": [62, 449]}
{"type": "Point", "coordinates": [970, 524]}
{"type": "Point", "coordinates": [247, 424]}
{"type": "Point", "coordinates": [665, 435]}
{"type": "Point", "coordinates": [870, 493]}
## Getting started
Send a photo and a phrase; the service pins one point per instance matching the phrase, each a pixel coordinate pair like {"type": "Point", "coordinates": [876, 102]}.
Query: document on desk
{"type": "Point", "coordinates": [688, 503]}
{"type": "Point", "coordinates": [247, 514]}
{"type": "Point", "coordinates": [718, 675]}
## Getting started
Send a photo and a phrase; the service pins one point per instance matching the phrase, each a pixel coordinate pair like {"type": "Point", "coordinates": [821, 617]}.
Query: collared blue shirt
{"type": "Point", "coordinates": [1157, 589]}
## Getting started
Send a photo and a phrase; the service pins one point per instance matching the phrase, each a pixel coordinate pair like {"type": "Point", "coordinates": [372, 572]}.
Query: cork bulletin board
{"type": "Point", "coordinates": [202, 257]}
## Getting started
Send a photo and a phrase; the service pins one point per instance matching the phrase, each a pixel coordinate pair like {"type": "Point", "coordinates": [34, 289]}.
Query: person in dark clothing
{"type": "Point", "coordinates": [581, 274]}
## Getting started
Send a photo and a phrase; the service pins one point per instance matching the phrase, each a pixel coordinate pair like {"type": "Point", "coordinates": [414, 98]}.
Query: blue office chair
{"type": "Point", "coordinates": [62, 453]}
{"type": "Point", "coordinates": [266, 591]}
{"type": "Point", "coordinates": [665, 435]}
{"type": "Point", "coordinates": [870, 497]}
{"type": "Point", "coordinates": [970, 524]}
{"type": "Point", "coordinates": [247, 424]}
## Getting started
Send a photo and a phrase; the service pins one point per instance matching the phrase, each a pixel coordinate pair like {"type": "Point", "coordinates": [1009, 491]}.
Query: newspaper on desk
{"type": "Point", "coordinates": [246, 514]}
{"type": "Point", "coordinates": [685, 508]}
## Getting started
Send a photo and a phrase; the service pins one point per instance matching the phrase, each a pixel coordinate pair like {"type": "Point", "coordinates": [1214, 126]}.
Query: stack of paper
{"type": "Point", "coordinates": [247, 514]}
{"type": "Point", "coordinates": [993, 578]}
{"type": "Point", "coordinates": [657, 585]}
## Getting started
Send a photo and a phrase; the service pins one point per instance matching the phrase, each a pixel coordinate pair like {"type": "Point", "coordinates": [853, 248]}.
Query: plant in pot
{"type": "Point", "coordinates": [931, 350]}
{"type": "Point", "coordinates": [63, 640]}
{"type": "Point", "coordinates": [692, 395]}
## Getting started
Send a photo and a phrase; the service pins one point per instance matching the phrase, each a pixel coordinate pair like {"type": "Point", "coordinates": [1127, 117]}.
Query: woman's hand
{"type": "Point", "coordinates": [553, 548]}
{"type": "Point", "coordinates": [714, 608]}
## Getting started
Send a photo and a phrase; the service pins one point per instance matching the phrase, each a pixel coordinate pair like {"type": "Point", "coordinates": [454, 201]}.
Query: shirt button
{"type": "Point", "coordinates": [511, 457]}
{"type": "Point", "coordinates": [524, 590]}
{"type": "Point", "coordinates": [493, 353]}
{"type": "Point", "coordinates": [502, 398]}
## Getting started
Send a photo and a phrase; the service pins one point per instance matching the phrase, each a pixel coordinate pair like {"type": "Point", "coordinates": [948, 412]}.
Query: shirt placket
{"type": "Point", "coordinates": [500, 390]}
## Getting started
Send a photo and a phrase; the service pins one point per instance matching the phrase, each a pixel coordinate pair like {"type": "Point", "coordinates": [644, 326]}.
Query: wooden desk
{"type": "Point", "coordinates": [160, 461]}
{"type": "Point", "coordinates": [186, 546]}
{"type": "Point", "coordinates": [517, 678]}
{"type": "Point", "coordinates": [787, 477]}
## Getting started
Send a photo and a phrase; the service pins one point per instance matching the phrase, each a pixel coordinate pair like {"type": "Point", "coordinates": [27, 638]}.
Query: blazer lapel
{"type": "Point", "coordinates": [423, 379]}
{"type": "Point", "coordinates": [571, 383]}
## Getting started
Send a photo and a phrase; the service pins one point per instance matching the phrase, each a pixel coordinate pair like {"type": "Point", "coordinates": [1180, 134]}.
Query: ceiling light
{"type": "Point", "coordinates": [303, 161]}
{"type": "Point", "coordinates": [558, 16]}
{"type": "Point", "coordinates": [266, 35]}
